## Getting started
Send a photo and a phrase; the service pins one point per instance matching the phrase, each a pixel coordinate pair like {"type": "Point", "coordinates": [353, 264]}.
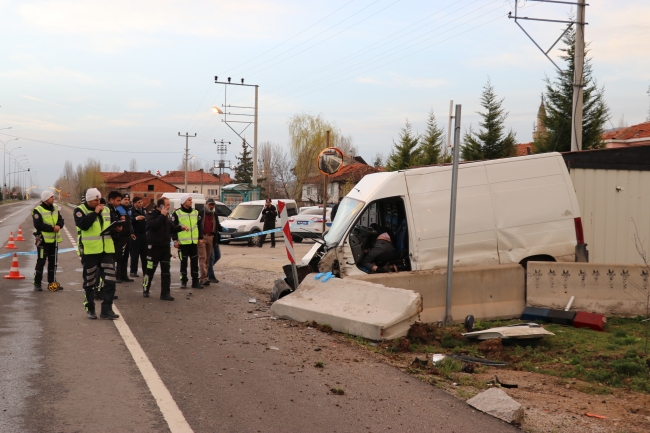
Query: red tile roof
{"type": "Point", "coordinates": [353, 172]}
{"type": "Point", "coordinates": [109, 174]}
{"type": "Point", "coordinates": [635, 135]}
{"type": "Point", "coordinates": [126, 177]}
{"type": "Point", "coordinates": [525, 149]}
{"type": "Point", "coordinates": [193, 177]}
{"type": "Point", "coordinates": [137, 181]}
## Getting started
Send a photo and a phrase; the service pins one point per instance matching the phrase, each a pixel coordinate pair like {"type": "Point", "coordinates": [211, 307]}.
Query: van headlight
{"type": "Point", "coordinates": [241, 228]}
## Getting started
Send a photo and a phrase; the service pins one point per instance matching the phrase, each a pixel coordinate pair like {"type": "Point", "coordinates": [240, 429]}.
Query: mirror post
{"type": "Point", "coordinates": [325, 191]}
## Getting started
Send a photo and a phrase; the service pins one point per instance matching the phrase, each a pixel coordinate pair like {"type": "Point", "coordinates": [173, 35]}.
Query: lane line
{"type": "Point", "coordinates": [173, 415]}
{"type": "Point", "coordinates": [72, 240]}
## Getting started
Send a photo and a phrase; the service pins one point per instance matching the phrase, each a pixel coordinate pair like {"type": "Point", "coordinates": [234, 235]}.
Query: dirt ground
{"type": "Point", "coordinates": [552, 404]}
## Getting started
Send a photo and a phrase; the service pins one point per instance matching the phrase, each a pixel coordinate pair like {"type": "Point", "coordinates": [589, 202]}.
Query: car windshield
{"type": "Point", "coordinates": [349, 208]}
{"type": "Point", "coordinates": [246, 212]}
{"type": "Point", "coordinates": [222, 210]}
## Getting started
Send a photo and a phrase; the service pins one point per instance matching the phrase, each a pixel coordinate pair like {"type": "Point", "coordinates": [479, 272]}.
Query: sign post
{"type": "Point", "coordinates": [288, 242]}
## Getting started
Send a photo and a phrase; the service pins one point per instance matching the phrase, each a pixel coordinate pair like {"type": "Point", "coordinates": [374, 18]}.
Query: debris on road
{"type": "Point", "coordinates": [519, 331]}
{"type": "Point", "coordinates": [498, 383]}
{"type": "Point", "coordinates": [252, 301]}
{"type": "Point", "coordinates": [437, 357]}
{"type": "Point", "coordinates": [593, 415]}
{"type": "Point", "coordinates": [500, 405]}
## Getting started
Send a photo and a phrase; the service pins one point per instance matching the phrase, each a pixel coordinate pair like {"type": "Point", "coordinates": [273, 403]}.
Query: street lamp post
{"type": "Point", "coordinates": [4, 155]}
{"type": "Point", "coordinates": [16, 159]}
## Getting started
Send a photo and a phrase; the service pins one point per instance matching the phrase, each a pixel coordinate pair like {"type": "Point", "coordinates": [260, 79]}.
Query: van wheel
{"type": "Point", "coordinates": [538, 258]}
{"type": "Point", "coordinates": [255, 241]}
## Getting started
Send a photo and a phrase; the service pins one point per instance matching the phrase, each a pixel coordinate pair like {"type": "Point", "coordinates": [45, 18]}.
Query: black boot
{"type": "Point", "coordinates": [166, 298]}
{"type": "Point", "coordinates": [196, 285]}
{"type": "Point", "coordinates": [109, 315]}
{"type": "Point", "coordinates": [38, 287]}
{"type": "Point", "coordinates": [91, 314]}
{"type": "Point", "coordinates": [145, 293]}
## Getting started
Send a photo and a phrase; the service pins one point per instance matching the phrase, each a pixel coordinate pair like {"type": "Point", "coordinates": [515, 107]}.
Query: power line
{"type": "Point", "coordinates": [78, 147]}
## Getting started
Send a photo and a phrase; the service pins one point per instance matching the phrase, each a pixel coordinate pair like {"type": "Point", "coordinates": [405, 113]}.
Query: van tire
{"type": "Point", "coordinates": [255, 241]}
{"type": "Point", "coordinates": [537, 258]}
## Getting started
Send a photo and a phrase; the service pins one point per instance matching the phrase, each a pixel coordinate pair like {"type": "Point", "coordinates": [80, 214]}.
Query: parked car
{"type": "Point", "coordinates": [246, 218]}
{"type": "Point", "coordinates": [511, 210]}
{"type": "Point", "coordinates": [308, 224]}
{"type": "Point", "coordinates": [198, 202]}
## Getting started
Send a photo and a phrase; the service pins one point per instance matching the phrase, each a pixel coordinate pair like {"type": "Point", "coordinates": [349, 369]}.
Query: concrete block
{"type": "Point", "coordinates": [497, 403]}
{"type": "Point", "coordinates": [486, 292]}
{"type": "Point", "coordinates": [612, 290]}
{"type": "Point", "coordinates": [355, 307]}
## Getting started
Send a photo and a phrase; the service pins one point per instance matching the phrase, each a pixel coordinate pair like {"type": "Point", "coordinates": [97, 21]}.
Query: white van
{"type": "Point", "coordinates": [246, 218]}
{"type": "Point", "coordinates": [508, 211]}
{"type": "Point", "coordinates": [198, 202]}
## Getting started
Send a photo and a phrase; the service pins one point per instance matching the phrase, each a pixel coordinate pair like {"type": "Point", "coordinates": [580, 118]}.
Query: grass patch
{"type": "Point", "coordinates": [337, 391]}
{"type": "Point", "coordinates": [319, 364]}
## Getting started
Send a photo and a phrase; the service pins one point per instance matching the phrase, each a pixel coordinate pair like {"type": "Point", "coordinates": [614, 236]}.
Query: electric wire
{"type": "Point", "coordinates": [79, 147]}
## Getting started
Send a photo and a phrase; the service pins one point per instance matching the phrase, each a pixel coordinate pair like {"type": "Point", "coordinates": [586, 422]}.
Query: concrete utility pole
{"type": "Point", "coordinates": [452, 216]}
{"type": "Point", "coordinates": [325, 191]}
{"type": "Point", "coordinates": [255, 140]}
{"type": "Point", "coordinates": [578, 79]}
{"type": "Point", "coordinates": [187, 153]}
{"type": "Point", "coordinates": [451, 117]}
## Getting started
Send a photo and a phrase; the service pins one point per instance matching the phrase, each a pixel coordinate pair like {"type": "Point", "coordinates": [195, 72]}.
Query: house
{"type": "Point", "coordinates": [613, 191]}
{"type": "Point", "coordinates": [524, 149]}
{"type": "Point", "coordinates": [635, 135]}
{"type": "Point", "coordinates": [137, 183]}
{"type": "Point", "coordinates": [339, 184]}
{"type": "Point", "coordinates": [198, 182]}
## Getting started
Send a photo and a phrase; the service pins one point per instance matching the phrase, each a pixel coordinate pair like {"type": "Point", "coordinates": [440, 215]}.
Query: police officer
{"type": "Point", "coordinates": [121, 243]}
{"type": "Point", "coordinates": [159, 233]}
{"type": "Point", "coordinates": [96, 249]}
{"type": "Point", "coordinates": [48, 223]}
{"type": "Point", "coordinates": [138, 237]}
{"type": "Point", "coordinates": [187, 241]}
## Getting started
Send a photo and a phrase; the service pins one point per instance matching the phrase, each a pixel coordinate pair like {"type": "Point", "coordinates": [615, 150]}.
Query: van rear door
{"type": "Point", "coordinates": [430, 196]}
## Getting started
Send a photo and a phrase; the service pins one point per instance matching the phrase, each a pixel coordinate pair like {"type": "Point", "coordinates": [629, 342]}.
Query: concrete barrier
{"type": "Point", "coordinates": [612, 290]}
{"type": "Point", "coordinates": [487, 292]}
{"type": "Point", "coordinates": [354, 307]}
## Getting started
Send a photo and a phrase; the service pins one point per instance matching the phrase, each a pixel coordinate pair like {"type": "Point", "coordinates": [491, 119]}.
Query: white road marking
{"type": "Point", "coordinates": [72, 240]}
{"type": "Point", "coordinates": [18, 211]}
{"type": "Point", "coordinates": [173, 415]}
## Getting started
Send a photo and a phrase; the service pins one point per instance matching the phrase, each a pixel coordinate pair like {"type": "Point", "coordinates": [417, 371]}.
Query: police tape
{"type": "Point", "coordinates": [236, 238]}
{"type": "Point", "coordinates": [33, 253]}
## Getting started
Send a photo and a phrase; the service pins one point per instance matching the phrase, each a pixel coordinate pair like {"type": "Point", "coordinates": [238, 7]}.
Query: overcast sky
{"type": "Point", "coordinates": [129, 75]}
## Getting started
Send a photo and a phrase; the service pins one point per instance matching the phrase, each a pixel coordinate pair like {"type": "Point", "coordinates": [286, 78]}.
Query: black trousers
{"type": "Point", "coordinates": [263, 237]}
{"type": "Point", "coordinates": [139, 253]}
{"type": "Point", "coordinates": [96, 266]}
{"type": "Point", "coordinates": [45, 252]}
{"type": "Point", "coordinates": [155, 255]}
{"type": "Point", "coordinates": [121, 257]}
{"type": "Point", "coordinates": [190, 251]}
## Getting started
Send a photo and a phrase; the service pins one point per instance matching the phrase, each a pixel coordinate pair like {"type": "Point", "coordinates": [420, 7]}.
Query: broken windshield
{"type": "Point", "coordinates": [349, 208]}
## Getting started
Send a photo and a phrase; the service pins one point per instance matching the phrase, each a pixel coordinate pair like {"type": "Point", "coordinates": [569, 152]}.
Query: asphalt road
{"type": "Point", "coordinates": [226, 364]}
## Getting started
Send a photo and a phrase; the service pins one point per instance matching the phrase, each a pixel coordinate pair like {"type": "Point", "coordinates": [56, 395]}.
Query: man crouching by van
{"type": "Point", "coordinates": [382, 251]}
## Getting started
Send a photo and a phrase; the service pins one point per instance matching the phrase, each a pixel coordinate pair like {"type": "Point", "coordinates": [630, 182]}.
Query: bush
{"type": "Point", "coordinates": [627, 367]}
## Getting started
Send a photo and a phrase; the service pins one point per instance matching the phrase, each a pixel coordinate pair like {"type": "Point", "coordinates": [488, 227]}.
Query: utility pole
{"type": "Point", "coordinates": [578, 79]}
{"type": "Point", "coordinates": [452, 216]}
{"type": "Point", "coordinates": [325, 191]}
{"type": "Point", "coordinates": [451, 117]}
{"type": "Point", "coordinates": [255, 140]}
{"type": "Point", "coordinates": [187, 153]}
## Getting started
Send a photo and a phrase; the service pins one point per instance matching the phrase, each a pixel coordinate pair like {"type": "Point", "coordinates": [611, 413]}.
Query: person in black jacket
{"type": "Point", "coordinates": [47, 224]}
{"type": "Point", "coordinates": [380, 252]}
{"type": "Point", "coordinates": [270, 214]}
{"type": "Point", "coordinates": [138, 237]}
{"type": "Point", "coordinates": [159, 236]}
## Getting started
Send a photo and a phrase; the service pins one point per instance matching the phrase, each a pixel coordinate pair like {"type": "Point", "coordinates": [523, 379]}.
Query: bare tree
{"type": "Point", "coordinates": [133, 165]}
{"type": "Point", "coordinates": [194, 164]}
{"type": "Point", "coordinates": [645, 274]}
{"type": "Point", "coordinates": [275, 165]}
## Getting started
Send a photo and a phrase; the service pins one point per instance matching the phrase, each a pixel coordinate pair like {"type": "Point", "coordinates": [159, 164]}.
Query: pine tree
{"type": "Point", "coordinates": [405, 154]}
{"type": "Point", "coordinates": [559, 106]}
{"type": "Point", "coordinates": [432, 143]}
{"type": "Point", "coordinates": [244, 170]}
{"type": "Point", "coordinates": [490, 142]}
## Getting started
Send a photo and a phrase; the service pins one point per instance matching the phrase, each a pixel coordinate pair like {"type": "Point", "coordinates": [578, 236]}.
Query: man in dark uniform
{"type": "Point", "coordinates": [138, 237]}
{"type": "Point", "coordinates": [159, 235]}
{"type": "Point", "coordinates": [269, 214]}
{"type": "Point", "coordinates": [48, 223]}
{"type": "Point", "coordinates": [187, 241]}
{"type": "Point", "coordinates": [96, 249]}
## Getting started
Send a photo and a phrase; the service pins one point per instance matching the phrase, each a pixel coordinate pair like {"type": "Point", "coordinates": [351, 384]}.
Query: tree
{"type": "Point", "coordinates": [406, 153]}
{"type": "Point", "coordinates": [244, 170]}
{"type": "Point", "coordinates": [194, 164]}
{"type": "Point", "coordinates": [432, 143]}
{"type": "Point", "coordinates": [275, 170]}
{"type": "Point", "coordinates": [133, 165]}
{"type": "Point", "coordinates": [490, 142]}
{"type": "Point", "coordinates": [559, 106]}
{"type": "Point", "coordinates": [378, 160]}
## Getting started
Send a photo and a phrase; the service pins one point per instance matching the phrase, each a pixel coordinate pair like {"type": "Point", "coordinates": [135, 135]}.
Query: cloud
{"type": "Point", "coordinates": [41, 100]}
{"type": "Point", "coordinates": [397, 80]}
{"type": "Point", "coordinates": [37, 73]}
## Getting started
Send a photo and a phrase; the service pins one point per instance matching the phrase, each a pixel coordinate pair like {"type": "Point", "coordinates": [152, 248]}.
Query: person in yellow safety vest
{"type": "Point", "coordinates": [188, 239]}
{"type": "Point", "coordinates": [48, 223]}
{"type": "Point", "coordinates": [96, 249]}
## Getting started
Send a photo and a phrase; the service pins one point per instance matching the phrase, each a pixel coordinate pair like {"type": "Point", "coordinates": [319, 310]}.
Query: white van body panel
{"type": "Point", "coordinates": [244, 227]}
{"type": "Point", "coordinates": [507, 210]}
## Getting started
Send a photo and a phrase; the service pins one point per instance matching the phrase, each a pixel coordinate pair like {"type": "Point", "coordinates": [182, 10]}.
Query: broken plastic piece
{"type": "Point", "coordinates": [482, 361]}
{"type": "Point", "coordinates": [593, 415]}
{"type": "Point", "coordinates": [319, 275]}
{"type": "Point", "coordinates": [328, 277]}
{"type": "Point", "coordinates": [252, 301]}
{"type": "Point", "coordinates": [437, 357]}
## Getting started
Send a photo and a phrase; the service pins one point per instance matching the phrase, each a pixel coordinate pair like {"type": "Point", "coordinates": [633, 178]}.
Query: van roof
{"type": "Point", "coordinates": [274, 200]}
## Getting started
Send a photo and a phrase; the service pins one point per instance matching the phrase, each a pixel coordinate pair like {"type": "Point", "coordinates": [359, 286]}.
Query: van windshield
{"type": "Point", "coordinates": [349, 208]}
{"type": "Point", "coordinates": [246, 212]}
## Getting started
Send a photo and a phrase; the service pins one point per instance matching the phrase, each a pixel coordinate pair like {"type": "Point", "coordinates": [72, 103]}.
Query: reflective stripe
{"type": "Point", "coordinates": [91, 241]}
{"type": "Point", "coordinates": [189, 220]}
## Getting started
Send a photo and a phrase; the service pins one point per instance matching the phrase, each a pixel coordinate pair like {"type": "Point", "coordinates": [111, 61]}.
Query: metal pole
{"type": "Point", "coordinates": [255, 142]}
{"type": "Point", "coordinates": [451, 116]}
{"type": "Point", "coordinates": [325, 191]}
{"type": "Point", "coordinates": [187, 138]}
{"type": "Point", "coordinates": [452, 216]}
{"type": "Point", "coordinates": [578, 79]}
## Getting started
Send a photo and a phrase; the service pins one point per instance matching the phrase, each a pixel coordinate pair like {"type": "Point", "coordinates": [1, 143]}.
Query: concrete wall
{"type": "Point", "coordinates": [608, 289]}
{"type": "Point", "coordinates": [487, 292]}
{"type": "Point", "coordinates": [611, 202]}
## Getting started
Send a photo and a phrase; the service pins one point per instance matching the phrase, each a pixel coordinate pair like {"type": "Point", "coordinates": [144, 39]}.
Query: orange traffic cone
{"type": "Point", "coordinates": [20, 234]}
{"type": "Point", "coordinates": [10, 244]}
{"type": "Point", "coordinates": [14, 273]}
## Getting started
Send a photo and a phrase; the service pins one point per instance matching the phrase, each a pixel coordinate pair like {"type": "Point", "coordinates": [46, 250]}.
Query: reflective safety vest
{"type": "Point", "coordinates": [191, 220]}
{"type": "Point", "coordinates": [50, 217]}
{"type": "Point", "coordinates": [91, 241]}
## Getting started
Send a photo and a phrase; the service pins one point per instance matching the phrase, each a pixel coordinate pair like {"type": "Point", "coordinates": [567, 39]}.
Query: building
{"type": "Point", "coordinates": [613, 191]}
{"type": "Point", "coordinates": [339, 184]}
{"type": "Point", "coordinates": [137, 183]}
{"type": "Point", "coordinates": [635, 135]}
{"type": "Point", "coordinates": [198, 182]}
